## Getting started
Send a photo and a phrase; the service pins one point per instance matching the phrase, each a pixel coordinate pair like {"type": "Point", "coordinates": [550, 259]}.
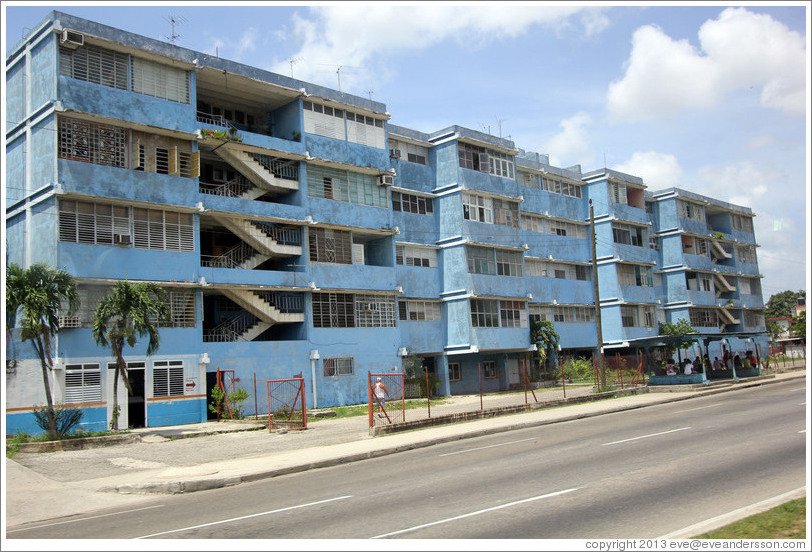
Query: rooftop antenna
{"type": "Point", "coordinates": [172, 20]}
{"type": "Point", "coordinates": [338, 71]}
{"type": "Point", "coordinates": [370, 92]}
{"type": "Point", "coordinates": [499, 122]}
{"type": "Point", "coordinates": [292, 61]}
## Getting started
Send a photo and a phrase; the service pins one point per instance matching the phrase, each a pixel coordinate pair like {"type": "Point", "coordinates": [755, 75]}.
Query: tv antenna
{"type": "Point", "coordinates": [292, 61]}
{"type": "Point", "coordinates": [370, 92]}
{"type": "Point", "coordinates": [338, 71]}
{"type": "Point", "coordinates": [172, 20]}
{"type": "Point", "coordinates": [499, 122]}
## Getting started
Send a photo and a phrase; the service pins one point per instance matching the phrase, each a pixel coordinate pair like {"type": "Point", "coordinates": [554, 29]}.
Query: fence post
{"type": "Point", "coordinates": [619, 369]}
{"type": "Point", "coordinates": [524, 373]}
{"type": "Point", "coordinates": [256, 409]}
{"type": "Point", "coordinates": [563, 379]}
{"type": "Point", "coordinates": [428, 391]}
{"type": "Point", "coordinates": [369, 393]}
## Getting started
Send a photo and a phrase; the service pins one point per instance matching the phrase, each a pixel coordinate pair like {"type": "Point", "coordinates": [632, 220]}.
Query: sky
{"type": "Point", "coordinates": [712, 98]}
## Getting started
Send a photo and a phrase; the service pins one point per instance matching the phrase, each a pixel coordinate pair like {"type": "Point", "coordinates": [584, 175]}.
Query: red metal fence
{"type": "Point", "coordinates": [225, 381]}
{"type": "Point", "coordinates": [286, 404]}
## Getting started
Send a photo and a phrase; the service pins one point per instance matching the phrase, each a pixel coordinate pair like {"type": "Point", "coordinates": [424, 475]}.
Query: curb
{"type": "Point", "coordinates": [183, 486]}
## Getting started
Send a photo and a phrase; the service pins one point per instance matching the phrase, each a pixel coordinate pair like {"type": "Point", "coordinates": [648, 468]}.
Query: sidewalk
{"type": "Point", "coordinates": [42, 486]}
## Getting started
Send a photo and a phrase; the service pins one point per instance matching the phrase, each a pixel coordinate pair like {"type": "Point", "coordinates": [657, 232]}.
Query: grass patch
{"type": "Point", "coordinates": [21, 437]}
{"type": "Point", "coordinates": [787, 521]}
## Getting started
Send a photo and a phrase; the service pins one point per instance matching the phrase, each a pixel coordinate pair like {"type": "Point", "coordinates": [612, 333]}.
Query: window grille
{"type": "Point", "coordinates": [167, 378]}
{"type": "Point", "coordinates": [82, 383]}
{"type": "Point", "coordinates": [92, 143]}
{"type": "Point", "coordinates": [617, 192]}
{"type": "Point", "coordinates": [533, 223]}
{"type": "Point", "coordinates": [374, 311]}
{"type": "Point", "coordinates": [341, 366]}
{"type": "Point", "coordinates": [330, 246]}
{"type": "Point", "coordinates": [703, 318]}
{"type": "Point", "coordinates": [489, 369]}
{"type": "Point", "coordinates": [506, 213]}
{"type": "Point", "coordinates": [333, 310]}
{"type": "Point", "coordinates": [181, 303]}
{"type": "Point", "coordinates": [746, 254]}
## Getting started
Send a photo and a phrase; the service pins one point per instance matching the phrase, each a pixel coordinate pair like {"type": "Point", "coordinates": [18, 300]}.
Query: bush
{"type": "Point", "coordinates": [577, 369]}
{"type": "Point", "coordinates": [67, 418]}
{"type": "Point", "coordinates": [235, 400]}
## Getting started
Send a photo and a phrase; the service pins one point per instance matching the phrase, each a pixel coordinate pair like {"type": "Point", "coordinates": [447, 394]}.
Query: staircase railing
{"type": "Point", "coordinates": [232, 258]}
{"type": "Point", "coordinates": [233, 188]}
{"type": "Point", "coordinates": [280, 234]}
{"type": "Point", "coordinates": [283, 302]}
{"type": "Point", "coordinates": [280, 168]}
{"type": "Point", "coordinates": [231, 329]}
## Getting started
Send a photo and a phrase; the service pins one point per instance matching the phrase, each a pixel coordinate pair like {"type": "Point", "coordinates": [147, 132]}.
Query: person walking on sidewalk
{"type": "Point", "coordinates": [381, 394]}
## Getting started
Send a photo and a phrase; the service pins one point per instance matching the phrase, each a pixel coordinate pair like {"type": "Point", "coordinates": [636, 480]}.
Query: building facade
{"type": "Point", "coordinates": [296, 230]}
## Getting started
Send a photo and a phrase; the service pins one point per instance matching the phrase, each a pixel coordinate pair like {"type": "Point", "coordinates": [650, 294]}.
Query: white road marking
{"type": "Point", "coordinates": [247, 517]}
{"type": "Point", "coordinates": [84, 518]}
{"type": "Point", "coordinates": [728, 518]}
{"type": "Point", "coordinates": [699, 408]}
{"type": "Point", "coordinates": [489, 446]}
{"type": "Point", "coordinates": [646, 436]}
{"type": "Point", "coordinates": [799, 389]}
{"type": "Point", "coordinates": [463, 516]}
{"type": "Point", "coordinates": [802, 431]}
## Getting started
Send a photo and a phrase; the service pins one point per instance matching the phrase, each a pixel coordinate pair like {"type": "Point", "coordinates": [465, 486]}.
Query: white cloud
{"type": "Point", "coordinates": [743, 184]}
{"type": "Point", "coordinates": [658, 170]}
{"type": "Point", "coordinates": [571, 145]}
{"type": "Point", "coordinates": [760, 141]}
{"type": "Point", "coordinates": [354, 36]}
{"type": "Point", "coordinates": [739, 50]}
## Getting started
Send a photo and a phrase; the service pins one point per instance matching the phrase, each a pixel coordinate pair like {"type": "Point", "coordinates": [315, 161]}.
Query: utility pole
{"type": "Point", "coordinates": [338, 72]}
{"type": "Point", "coordinates": [601, 367]}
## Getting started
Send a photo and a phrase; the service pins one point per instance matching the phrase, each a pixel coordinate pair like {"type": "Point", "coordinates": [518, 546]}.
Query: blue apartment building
{"type": "Point", "coordinates": [297, 230]}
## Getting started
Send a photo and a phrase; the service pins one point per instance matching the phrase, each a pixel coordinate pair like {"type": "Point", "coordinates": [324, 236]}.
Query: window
{"type": "Point", "coordinates": [528, 180]}
{"type": "Point", "coordinates": [691, 211]}
{"type": "Point", "coordinates": [414, 255]}
{"type": "Point", "coordinates": [627, 234]}
{"type": "Point", "coordinates": [333, 310]}
{"type": "Point", "coordinates": [617, 192]}
{"type": "Point", "coordinates": [746, 253]}
{"type": "Point", "coordinates": [166, 230]}
{"type": "Point", "coordinates": [574, 314]}
{"type": "Point", "coordinates": [160, 81]}
{"type": "Point", "coordinates": [341, 366]}
{"type": "Point", "coordinates": [637, 316]}
{"type": "Point", "coordinates": [513, 314]}
{"type": "Point", "coordinates": [703, 318]}
{"type": "Point", "coordinates": [653, 242]}
{"type": "Point", "coordinates": [489, 369]}
{"type": "Point", "coordinates": [634, 275]}
{"type": "Point", "coordinates": [568, 271]}
{"type": "Point", "coordinates": [480, 260]}
{"type": "Point", "coordinates": [508, 263]}
{"type": "Point", "coordinates": [82, 383]}
{"type": "Point", "coordinates": [167, 378]}
{"type": "Point", "coordinates": [161, 160]}
{"type": "Point", "coordinates": [410, 203]}
{"type": "Point", "coordinates": [532, 223]}
{"type": "Point", "coordinates": [419, 310]}
{"type": "Point", "coordinates": [754, 319]}
{"type": "Point", "coordinates": [330, 246]}
{"type": "Point", "coordinates": [506, 213]}
{"type": "Point", "coordinates": [323, 120]}
{"type": "Point", "coordinates": [484, 313]}
{"type": "Point", "coordinates": [500, 164]}
{"type": "Point", "coordinates": [95, 65]}
{"type": "Point", "coordinates": [92, 143]}
{"type": "Point", "coordinates": [181, 303]}
{"type": "Point", "coordinates": [741, 222]}
{"type": "Point", "coordinates": [561, 228]}
{"type": "Point", "coordinates": [560, 186]}
{"type": "Point", "coordinates": [92, 223]}
{"type": "Point", "coordinates": [536, 267]}
{"type": "Point", "coordinates": [477, 208]}
{"type": "Point", "coordinates": [473, 157]}
{"type": "Point", "coordinates": [540, 313]}
{"type": "Point", "coordinates": [374, 311]}
{"type": "Point", "coordinates": [454, 371]}
{"type": "Point", "coordinates": [365, 130]}
{"type": "Point", "coordinates": [628, 316]}
{"type": "Point", "coordinates": [340, 185]}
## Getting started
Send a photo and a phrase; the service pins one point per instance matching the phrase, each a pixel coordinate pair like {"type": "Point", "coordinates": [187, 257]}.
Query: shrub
{"type": "Point", "coordinates": [67, 418]}
{"type": "Point", "coordinates": [235, 400]}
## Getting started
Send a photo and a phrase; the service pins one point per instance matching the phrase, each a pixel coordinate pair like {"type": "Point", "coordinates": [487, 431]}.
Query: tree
{"type": "Point", "coordinates": [774, 329]}
{"type": "Point", "coordinates": [544, 336]}
{"type": "Point", "coordinates": [798, 328]}
{"type": "Point", "coordinates": [783, 304]}
{"type": "Point", "coordinates": [679, 328]}
{"type": "Point", "coordinates": [40, 291]}
{"type": "Point", "coordinates": [127, 312]}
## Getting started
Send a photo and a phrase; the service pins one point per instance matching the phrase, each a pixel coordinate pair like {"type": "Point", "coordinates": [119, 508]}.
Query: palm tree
{"type": "Point", "coordinates": [544, 336]}
{"type": "Point", "coordinates": [126, 313]}
{"type": "Point", "coordinates": [40, 292]}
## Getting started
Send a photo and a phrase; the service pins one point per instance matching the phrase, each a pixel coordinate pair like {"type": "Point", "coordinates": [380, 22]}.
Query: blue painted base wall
{"type": "Point", "coordinates": [94, 419]}
{"type": "Point", "coordinates": [176, 412]}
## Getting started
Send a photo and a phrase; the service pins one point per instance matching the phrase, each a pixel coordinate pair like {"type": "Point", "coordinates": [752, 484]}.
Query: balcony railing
{"type": "Point", "coordinates": [231, 329]}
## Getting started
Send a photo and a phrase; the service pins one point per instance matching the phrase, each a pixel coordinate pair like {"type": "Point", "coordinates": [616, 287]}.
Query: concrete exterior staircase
{"type": "Point", "coordinates": [255, 171]}
{"type": "Point", "coordinates": [251, 234]}
{"type": "Point", "coordinates": [260, 308]}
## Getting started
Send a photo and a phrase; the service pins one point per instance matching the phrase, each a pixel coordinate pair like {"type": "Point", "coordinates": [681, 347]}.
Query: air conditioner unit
{"type": "Point", "coordinates": [71, 39]}
{"type": "Point", "coordinates": [122, 239]}
{"type": "Point", "coordinates": [394, 153]}
{"type": "Point", "coordinates": [386, 180]}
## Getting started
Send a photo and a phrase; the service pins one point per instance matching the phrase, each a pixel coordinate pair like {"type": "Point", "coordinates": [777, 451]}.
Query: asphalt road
{"type": "Point", "coordinates": [635, 474]}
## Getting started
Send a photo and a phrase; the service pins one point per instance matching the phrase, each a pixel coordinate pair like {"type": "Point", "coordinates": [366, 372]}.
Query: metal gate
{"type": "Point", "coordinates": [286, 404]}
{"type": "Point", "coordinates": [387, 401]}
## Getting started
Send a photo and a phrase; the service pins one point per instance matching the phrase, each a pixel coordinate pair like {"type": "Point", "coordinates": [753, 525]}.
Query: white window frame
{"type": "Point", "coordinates": [83, 383]}
{"type": "Point", "coordinates": [477, 208]}
{"type": "Point", "coordinates": [454, 371]}
{"type": "Point", "coordinates": [489, 369]}
{"type": "Point", "coordinates": [168, 378]}
{"type": "Point", "coordinates": [335, 367]}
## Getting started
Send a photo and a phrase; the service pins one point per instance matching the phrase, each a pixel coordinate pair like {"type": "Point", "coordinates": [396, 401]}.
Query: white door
{"type": "Point", "coordinates": [513, 371]}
